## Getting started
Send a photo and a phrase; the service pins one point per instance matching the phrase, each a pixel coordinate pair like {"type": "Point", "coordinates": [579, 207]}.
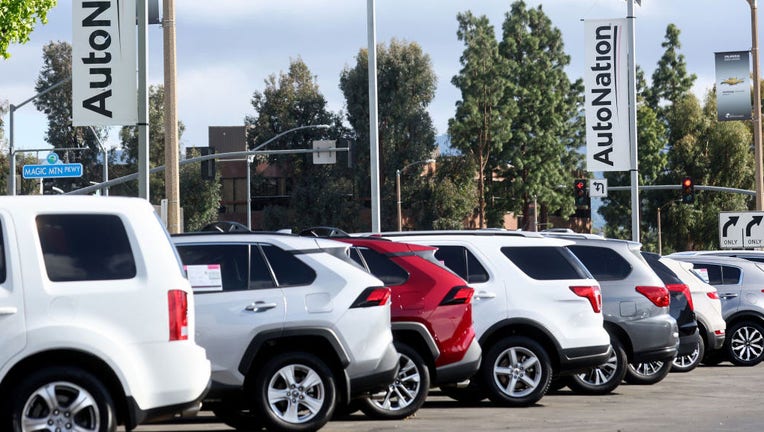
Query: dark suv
{"type": "Point", "coordinates": [681, 307]}
{"type": "Point", "coordinates": [431, 323]}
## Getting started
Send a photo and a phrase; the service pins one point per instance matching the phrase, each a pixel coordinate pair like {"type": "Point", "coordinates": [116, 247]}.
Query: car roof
{"type": "Point", "coordinates": [283, 240]}
{"type": "Point", "coordinates": [488, 232]}
{"type": "Point", "coordinates": [512, 238]}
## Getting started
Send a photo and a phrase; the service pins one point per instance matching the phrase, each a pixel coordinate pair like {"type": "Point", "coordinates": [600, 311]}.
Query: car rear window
{"type": "Point", "coordinates": [546, 262]}
{"type": "Point", "coordinates": [666, 274]}
{"type": "Point", "coordinates": [603, 263]}
{"type": "Point", "coordinates": [462, 262]}
{"type": "Point", "coordinates": [85, 247]}
{"type": "Point", "coordinates": [380, 266]}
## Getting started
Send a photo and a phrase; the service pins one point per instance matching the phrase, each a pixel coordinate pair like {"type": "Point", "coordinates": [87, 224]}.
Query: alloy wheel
{"type": "Point", "coordinates": [61, 406]}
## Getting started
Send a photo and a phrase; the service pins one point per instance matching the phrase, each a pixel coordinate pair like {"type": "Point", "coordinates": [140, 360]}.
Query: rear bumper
{"type": "Point", "coordinates": [687, 343]}
{"type": "Point", "coordinates": [380, 378]}
{"type": "Point", "coordinates": [573, 360]}
{"type": "Point", "coordinates": [461, 370]}
{"type": "Point", "coordinates": [663, 354]}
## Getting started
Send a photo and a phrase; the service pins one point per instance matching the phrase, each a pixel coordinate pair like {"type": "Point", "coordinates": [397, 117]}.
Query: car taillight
{"type": "Point", "coordinates": [458, 295]}
{"type": "Point", "coordinates": [685, 290]}
{"type": "Point", "coordinates": [177, 305]}
{"type": "Point", "coordinates": [713, 295]}
{"type": "Point", "coordinates": [592, 293]}
{"type": "Point", "coordinates": [372, 296]}
{"type": "Point", "coordinates": [657, 294]}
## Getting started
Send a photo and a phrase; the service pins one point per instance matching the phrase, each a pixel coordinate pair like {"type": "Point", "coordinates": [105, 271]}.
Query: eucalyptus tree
{"type": "Point", "coordinates": [57, 107]}
{"type": "Point", "coordinates": [406, 86]}
{"type": "Point", "coordinates": [318, 194]}
{"type": "Point", "coordinates": [481, 124]}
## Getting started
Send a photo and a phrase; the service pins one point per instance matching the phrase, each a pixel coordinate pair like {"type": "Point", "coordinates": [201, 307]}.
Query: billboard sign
{"type": "Point", "coordinates": [733, 86]}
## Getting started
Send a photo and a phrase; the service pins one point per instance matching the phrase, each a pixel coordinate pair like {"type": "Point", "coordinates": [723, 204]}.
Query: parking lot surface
{"type": "Point", "coordinates": [718, 398]}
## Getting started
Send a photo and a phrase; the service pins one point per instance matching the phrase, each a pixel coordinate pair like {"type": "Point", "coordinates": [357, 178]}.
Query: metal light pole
{"type": "Point", "coordinates": [756, 119]}
{"type": "Point", "coordinates": [633, 122]}
{"type": "Point", "coordinates": [11, 150]}
{"type": "Point", "coordinates": [398, 187]}
{"type": "Point", "coordinates": [373, 126]}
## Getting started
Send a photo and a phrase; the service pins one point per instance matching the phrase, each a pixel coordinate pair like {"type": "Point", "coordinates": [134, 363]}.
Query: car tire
{"type": "Point", "coordinates": [406, 394]}
{"type": "Point", "coordinates": [558, 384]}
{"type": "Point", "coordinates": [32, 400]}
{"type": "Point", "coordinates": [516, 371]}
{"type": "Point", "coordinates": [470, 394]}
{"type": "Point", "coordinates": [744, 343]}
{"type": "Point", "coordinates": [283, 404]}
{"type": "Point", "coordinates": [605, 378]}
{"type": "Point", "coordinates": [690, 361]}
{"type": "Point", "coordinates": [647, 373]}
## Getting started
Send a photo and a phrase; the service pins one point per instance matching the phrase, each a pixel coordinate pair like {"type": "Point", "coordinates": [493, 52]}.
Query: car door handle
{"type": "Point", "coordinates": [727, 296]}
{"type": "Point", "coordinates": [8, 310]}
{"type": "Point", "coordinates": [484, 295]}
{"type": "Point", "coordinates": [260, 306]}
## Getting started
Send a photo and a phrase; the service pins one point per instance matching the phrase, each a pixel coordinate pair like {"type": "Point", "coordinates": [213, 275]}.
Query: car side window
{"type": "Point", "coordinates": [288, 269]}
{"type": "Point", "coordinates": [713, 271]}
{"type": "Point", "coordinates": [383, 267]}
{"type": "Point", "coordinates": [546, 263]}
{"type": "Point", "coordinates": [233, 260]}
{"type": "Point", "coordinates": [603, 263]}
{"type": "Point", "coordinates": [85, 247]}
{"type": "Point", "coordinates": [730, 275]}
{"type": "Point", "coordinates": [462, 262]}
{"type": "Point", "coordinates": [259, 273]}
{"type": "Point", "coordinates": [3, 273]}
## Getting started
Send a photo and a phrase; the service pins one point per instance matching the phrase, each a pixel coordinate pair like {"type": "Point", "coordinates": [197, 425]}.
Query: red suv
{"type": "Point", "coordinates": [431, 318]}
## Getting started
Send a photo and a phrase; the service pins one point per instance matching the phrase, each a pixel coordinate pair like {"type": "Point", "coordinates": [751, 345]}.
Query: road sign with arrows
{"type": "Point", "coordinates": [741, 230]}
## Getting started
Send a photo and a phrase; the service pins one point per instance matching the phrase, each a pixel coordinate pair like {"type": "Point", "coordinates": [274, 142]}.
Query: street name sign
{"type": "Point", "coordinates": [52, 171]}
{"type": "Point", "coordinates": [741, 230]}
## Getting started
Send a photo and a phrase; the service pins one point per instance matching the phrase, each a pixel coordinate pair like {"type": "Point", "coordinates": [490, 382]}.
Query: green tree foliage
{"type": "Point", "coordinates": [319, 194]}
{"type": "Point", "coordinates": [199, 198]}
{"type": "Point", "coordinates": [443, 198]}
{"type": "Point", "coordinates": [128, 136]}
{"type": "Point", "coordinates": [481, 124]}
{"type": "Point", "coordinates": [18, 18]}
{"type": "Point", "coordinates": [653, 162]}
{"type": "Point", "coordinates": [670, 79]}
{"type": "Point", "coordinates": [406, 86]}
{"type": "Point", "coordinates": [57, 106]}
{"type": "Point", "coordinates": [546, 130]}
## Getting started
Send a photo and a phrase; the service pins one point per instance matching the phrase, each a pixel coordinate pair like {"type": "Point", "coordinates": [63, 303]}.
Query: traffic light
{"type": "Point", "coordinates": [688, 191]}
{"type": "Point", "coordinates": [579, 192]}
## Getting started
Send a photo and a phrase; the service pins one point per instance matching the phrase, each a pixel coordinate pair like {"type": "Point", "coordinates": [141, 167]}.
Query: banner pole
{"type": "Point", "coordinates": [633, 124]}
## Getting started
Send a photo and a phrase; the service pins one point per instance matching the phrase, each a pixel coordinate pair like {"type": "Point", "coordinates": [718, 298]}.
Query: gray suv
{"type": "Point", "coordinates": [635, 302]}
{"type": "Point", "coordinates": [739, 283]}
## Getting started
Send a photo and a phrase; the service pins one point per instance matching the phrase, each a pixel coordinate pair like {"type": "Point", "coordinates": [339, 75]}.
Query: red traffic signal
{"type": "Point", "coordinates": [579, 192]}
{"type": "Point", "coordinates": [688, 191]}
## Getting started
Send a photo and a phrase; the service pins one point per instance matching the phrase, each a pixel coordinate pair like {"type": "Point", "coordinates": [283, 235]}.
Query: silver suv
{"type": "Point", "coordinates": [292, 326]}
{"type": "Point", "coordinates": [537, 311]}
{"type": "Point", "coordinates": [739, 284]}
{"type": "Point", "coordinates": [643, 334]}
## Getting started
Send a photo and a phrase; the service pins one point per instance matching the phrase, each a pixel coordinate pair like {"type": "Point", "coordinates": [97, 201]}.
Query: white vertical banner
{"type": "Point", "coordinates": [104, 90]}
{"type": "Point", "coordinates": [606, 96]}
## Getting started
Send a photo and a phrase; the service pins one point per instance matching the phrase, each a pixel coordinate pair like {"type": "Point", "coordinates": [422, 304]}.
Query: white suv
{"type": "Point", "coordinates": [292, 325]}
{"type": "Point", "coordinates": [96, 316]}
{"type": "Point", "coordinates": [536, 309]}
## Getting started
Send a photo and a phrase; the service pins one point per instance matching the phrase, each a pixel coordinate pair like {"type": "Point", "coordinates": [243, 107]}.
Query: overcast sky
{"type": "Point", "coordinates": [226, 48]}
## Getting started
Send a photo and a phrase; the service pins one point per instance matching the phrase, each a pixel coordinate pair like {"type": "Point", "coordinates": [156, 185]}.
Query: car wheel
{"type": "Point", "coordinates": [690, 361]}
{"type": "Point", "coordinates": [470, 394]}
{"type": "Point", "coordinates": [745, 343]}
{"type": "Point", "coordinates": [62, 398]}
{"type": "Point", "coordinates": [516, 372]}
{"type": "Point", "coordinates": [294, 392]}
{"type": "Point", "coordinates": [604, 378]}
{"type": "Point", "coordinates": [406, 394]}
{"type": "Point", "coordinates": [647, 373]}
